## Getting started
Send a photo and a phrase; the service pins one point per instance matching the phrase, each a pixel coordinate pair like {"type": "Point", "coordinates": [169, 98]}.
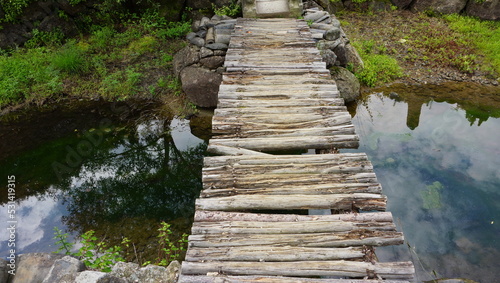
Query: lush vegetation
{"type": "Point", "coordinates": [379, 67]}
{"type": "Point", "coordinates": [484, 35]}
{"type": "Point", "coordinates": [115, 62]}
{"type": "Point", "coordinates": [96, 254]}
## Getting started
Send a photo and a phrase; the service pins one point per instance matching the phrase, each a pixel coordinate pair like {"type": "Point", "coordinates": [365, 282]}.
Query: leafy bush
{"type": "Point", "coordinates": [44, 38]}
{"type": "Point", "coordinates": [231, 10]}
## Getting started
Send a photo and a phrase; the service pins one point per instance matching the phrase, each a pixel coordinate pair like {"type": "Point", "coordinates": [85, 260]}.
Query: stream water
{"type": "Point", "coordinates": [112, 168]}
{"type": "Point", "coordinates": [120, 169]}
{"type": "Point", "coordinates": [436, 153]}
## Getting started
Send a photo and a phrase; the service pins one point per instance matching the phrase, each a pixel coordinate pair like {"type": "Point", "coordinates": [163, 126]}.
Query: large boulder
{"type": "Point", "coordinates": [187, 56]}
{"type": "Point", "coordinates": [486, 10]}
{"type": "Point", "coordinates": [34, 267]}
{"type": "Point", "coordinates": [201, 85]}
{"type": "Point", "coordinates": [353, 58]}
{"type": "Point", "coordinates": [64, 269]}
{"type": "Point", "coordinates": [440, 6]}
{"type": "Point", "coordinates": [348, 85]}
{"type": "Point", "coordinates": [4, 269]}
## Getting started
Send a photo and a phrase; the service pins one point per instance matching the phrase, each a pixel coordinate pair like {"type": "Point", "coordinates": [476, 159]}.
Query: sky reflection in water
{"type": "Point", "coordinates": [134, 178]}
{"type": "Point", "coordinates": [442, 180]}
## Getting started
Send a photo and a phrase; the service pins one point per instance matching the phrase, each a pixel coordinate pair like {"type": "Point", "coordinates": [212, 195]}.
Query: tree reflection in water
{"type": "Point", "coordinates": [132, 184]}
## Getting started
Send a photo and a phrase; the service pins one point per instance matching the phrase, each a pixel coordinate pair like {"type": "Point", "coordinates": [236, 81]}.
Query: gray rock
{"type": "Point", "coordinates": [328, 57]}
{"type": "Point", "coordinates": [124, 269]}
{"type": "Point", "coordinates": [321, 26]}
{"type": "Point", "coordinates": [4, 270]}
{"type": "Point", "coordinates": [198, 41]}
{"type": "Point", "coordinates": [219, 52]}
{"type": "Point", "coordinates": [222, 38]}
{"type": "Point", "coordinates": [216, 18]}
{"type": "Point", "coordinates": [67, 266]}
{"type": "Point", "coordinates": [151, 274]}
{"type": "Point", "coordinates": [229, 26]}
{"type": "Point", "coordinates": [324, 20]}
{"type": "Point", "coordinates": [488, 10]}
{"type": "Point", "coordinates": [200, 85]}
{"type": "Point", "coordinates": [340, 51]}
{"type": "Point", "coordinates": [347, 83]}
{"type": "Point", "coordinates": [195, 26]}
{"type": "Point", "coordinates": [315, 16]}
{"type": "Point", "coordinates": [173, 271]}
{"type": "Point", "coordinates": [325, 44]}
{"type": "Point", "coordinates": [201, 33]}
{"type": "Point", "coordinates": [212, 62]}
{"type": "Point", "coordinates": [216, 46]}
{"type": "Point", "coordinates": [204, 21]}
{"type": "Point", "coordinates": [190, 36]}
{"type": "Point", "coordinates": [187, 56]}
{"type": "Point", "coordinates": [205, 52]}
{"type": "Point", "coordinates": [34, 267]}
{"type": "Point", "coordinates": [335, 23]}
{"type": "Point", "coordinates": [353, 58]}
{"type": "Point", "coordinates": [440, 6]}
{"type": "Point", "coordinates": [98, 277]}
{"type": "Point", "coordinates": [332, 34]}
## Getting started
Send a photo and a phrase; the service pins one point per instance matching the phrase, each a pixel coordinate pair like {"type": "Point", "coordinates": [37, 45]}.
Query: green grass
{"type": "Point", "coordinates": [379, 67]}
{"type": "Point", "coordinates": [112, 64]}
{"type": "Point", "coordinates": [485, 35]}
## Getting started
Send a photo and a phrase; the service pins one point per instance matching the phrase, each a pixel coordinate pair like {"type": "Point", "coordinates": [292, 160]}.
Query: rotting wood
{"type": "Point", "coordinates": [291, 143]}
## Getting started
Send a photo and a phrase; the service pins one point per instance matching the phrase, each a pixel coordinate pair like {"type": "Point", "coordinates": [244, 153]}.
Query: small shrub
{"type": "Point", "coordinates": [70, 59]}
{"type": "Point", "coordinates": [43, 38]}
{"type": "Point", "coordinates": [231, 10]}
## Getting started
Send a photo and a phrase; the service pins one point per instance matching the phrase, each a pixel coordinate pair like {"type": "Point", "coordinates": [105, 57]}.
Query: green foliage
{"type": "Point", "coordinates": [70, 59]}
{"type": "Point", "coordinates": [43, 38]}
{"type": "Point", "coordinates": [97, 255]}
{"type": "Point", "coordinates": [94, 253]}
{"type": "Point", "coordinates": [174, 30]}
{"type": "Point", "coordinates": [120, 84]}
{"type": "Point", "coordinates": [27, 75]}
{"type": "Point", "coordinates": [484, 35]}
{"type": "Point", "coordinates": [13, 8]}
{"type": "Point", "coordinates": [169, 251]}
{"type": "Point", "coordinates": [231, 10]}
{"type": "Point", "coordinates": [378, 67]}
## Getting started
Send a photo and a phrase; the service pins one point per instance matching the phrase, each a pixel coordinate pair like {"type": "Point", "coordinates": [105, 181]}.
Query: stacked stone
{"type": "Point", "coordinates": [200, 64]}
{"type": "Point", "coordinates": [336, 50]}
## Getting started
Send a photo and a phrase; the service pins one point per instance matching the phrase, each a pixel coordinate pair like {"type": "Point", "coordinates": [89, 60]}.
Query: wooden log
{"type": "Point", "coordinates": [321, 189]}
{"type": "Point", "coordinates": [309, 159]}
{"type": "Point", "coordinates": [389, 270]}
{"type": "Point", "coordinates": [291, 143]}
{"type": "Point", "coordinates": [278, 95]}
{"type": "Point", "coordinates": [356, 238]}
{"type": "Point", "coordinates": [268, 253]}
{"type": "Point", "coordinates": [367, 202]}
{"type": "Point", "coordinates": [259, 227]}
{"type": "Point", "coordinates": [273, 103]}
{"type": "Point", "coordinates": [232, 131]}
{"type": "Point", "coordinates": [299, 88]}
{"type": "Point", "coordinates": [217, 216]}
{"type": "Point", "coordinates": [221, 278]}
{"type": "Point", "coordinates": [227, 150]}
{"type": "Point", "coordinates": [322, 110]}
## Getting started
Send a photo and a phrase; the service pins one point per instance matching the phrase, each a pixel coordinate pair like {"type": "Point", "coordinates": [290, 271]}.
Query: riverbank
{"type": "Point", "coordinates": [428, 49]}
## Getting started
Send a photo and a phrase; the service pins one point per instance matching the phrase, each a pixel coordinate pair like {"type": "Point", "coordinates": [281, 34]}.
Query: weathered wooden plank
{"type": "Point", "coordinates": [217, 216]}
{"type": "Point", "coordinates": [291, 143]}
{"type": "Point", "coordinates": [268, 253]}
{"type": "Point", "coordinates": [322, 110]}
{"type": "Point", "coordinates": [259, 227]}
{"type": "Point", "coordinates": [390, 270]}
{"type": "Point", "coordinates": [362, 201]}
{"type": "Point", "coordinates": [278, 103]}
{"type": "Point", "coordinates": [227, 150]}
{"type": "Point", "coordinates": [262, 130]}
{"type": "Point", "coordinates": [310, 189]}
{"type": "Point", "coordinates": [298, 88]}
{"type": "Point", "coordinates": [221, 278]}
{"type": "Point", "coordinates": [355, 238]}
{"type": "Point", "coordinates": [278, 95]}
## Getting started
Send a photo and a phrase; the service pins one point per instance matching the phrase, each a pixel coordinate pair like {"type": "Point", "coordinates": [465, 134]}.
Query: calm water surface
{"type": "Point", "coordinates": [439, 165]}
{"type": "Point", "coordinates": [105, 167]}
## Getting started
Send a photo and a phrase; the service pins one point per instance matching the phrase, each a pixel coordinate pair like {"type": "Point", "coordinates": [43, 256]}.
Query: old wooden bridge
{"type": "Point", "coordinates": [249, 224]}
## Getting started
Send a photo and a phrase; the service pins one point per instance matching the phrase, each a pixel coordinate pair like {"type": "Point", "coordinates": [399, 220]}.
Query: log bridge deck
{"type": "Point", "coordinates": [278, 95]}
